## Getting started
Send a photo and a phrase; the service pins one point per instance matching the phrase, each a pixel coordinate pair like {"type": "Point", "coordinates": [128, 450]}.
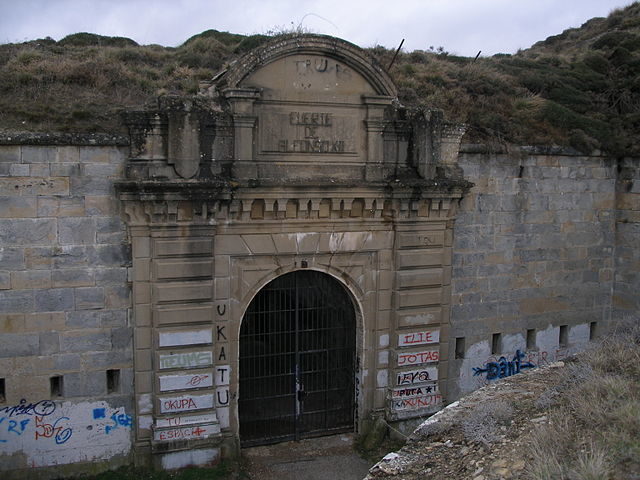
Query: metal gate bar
{"type": "Point", "coordinates": [297, 350]}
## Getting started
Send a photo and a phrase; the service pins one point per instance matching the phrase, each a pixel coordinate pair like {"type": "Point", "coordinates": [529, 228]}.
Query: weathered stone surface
{"type": "Point", "coordinates": [89, 298]}
{"type": "Point", "coordinates": [16, 301]}
{"type": "Point", "coordinates": [18, 345]}
{"type": "Point", "coordinates": [27, 231]}
{"type": "Point", "coordinates": [85, 341]}
{"type": "Point", "coordinates": [54, 300]}
{"type": "Point", "coordinates": [77, 231]}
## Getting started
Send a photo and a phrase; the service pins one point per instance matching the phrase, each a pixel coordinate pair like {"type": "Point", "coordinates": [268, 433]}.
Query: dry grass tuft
{"type": "Point", "coordinates": [482, 423]}
{"type": "Point", "coordinates": [594, 416]}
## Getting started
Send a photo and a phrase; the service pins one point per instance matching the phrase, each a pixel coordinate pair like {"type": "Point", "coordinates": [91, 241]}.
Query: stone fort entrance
{"type": "Point", "coordinates": [297, 360]}
{"type": "Point", "coordinates": [291, 233]}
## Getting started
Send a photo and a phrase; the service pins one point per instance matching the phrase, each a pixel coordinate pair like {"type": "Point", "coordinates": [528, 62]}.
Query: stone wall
{"type": "Point", "coordinates": [545, 253]}
{"type": "Point", "coordinates": [626, 295]}
{"type": "Point", "coordinates": [65, 348]}
{"type": "Point", "coordinates": [533, 262]}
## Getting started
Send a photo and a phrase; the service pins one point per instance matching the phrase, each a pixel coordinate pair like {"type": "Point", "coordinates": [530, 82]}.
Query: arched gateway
{"type": "Point", "coordinates": [295, 160]}
{"type": "Point", "coordinates": [297, 360]}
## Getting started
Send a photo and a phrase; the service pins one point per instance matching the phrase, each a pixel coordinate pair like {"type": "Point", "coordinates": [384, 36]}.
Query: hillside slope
{"type": "Point", "coordinates": [572, 420]}
{"type": "Point", "coordinates": [580, 88]}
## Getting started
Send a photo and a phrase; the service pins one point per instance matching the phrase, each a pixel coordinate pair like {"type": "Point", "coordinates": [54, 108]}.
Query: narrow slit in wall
{"type": "Point", "coordinates": [56, 386]}
{"type": "Point", "coordinates": [531, 338]}
{"type": "Point", "coordinates": [496, 340]}
{"type": "Point", "coordinates": [113, 381]}
{"type": "Point", "coordinates": [563, 336]}
{"type": "Point", "coordinates": [460, 347]}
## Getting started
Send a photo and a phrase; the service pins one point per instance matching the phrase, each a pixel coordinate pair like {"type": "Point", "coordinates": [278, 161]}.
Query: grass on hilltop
{"type": "Point", "coordinates": [580, 88]}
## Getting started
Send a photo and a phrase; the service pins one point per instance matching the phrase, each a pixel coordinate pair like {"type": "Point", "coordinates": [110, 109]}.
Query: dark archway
{"type": "Point", "coordinates": [297, 360]}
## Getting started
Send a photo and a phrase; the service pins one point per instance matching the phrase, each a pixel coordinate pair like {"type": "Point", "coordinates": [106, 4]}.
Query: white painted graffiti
{"type": "Point", "coordinates": [186, 360]}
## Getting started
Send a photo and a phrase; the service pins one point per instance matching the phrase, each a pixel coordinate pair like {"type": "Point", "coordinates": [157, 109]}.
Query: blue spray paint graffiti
{"type": "Point", "coordinates": [13, 426]}
{"type": "Point", "coordinates": [119, 420]}
{"type": "Point", "coordinates": [503, 367]}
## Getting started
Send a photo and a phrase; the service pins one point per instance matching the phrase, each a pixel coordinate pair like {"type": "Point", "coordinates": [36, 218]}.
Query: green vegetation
{"type": "Point", "coordinates": [580, 88]}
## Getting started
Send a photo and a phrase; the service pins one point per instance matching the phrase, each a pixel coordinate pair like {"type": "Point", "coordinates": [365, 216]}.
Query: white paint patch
{"type": "Point", "coordinates": [383, 357]}
{"type": "Point", "coordinates": [419, 319]}
{"type": "Point", "coordinates": [223, 373]}
{"type": "Point", "coordinates": [548, 339]}
{"type": "Point", "coordinates": [145, 403]}
{"type": "Point", "coordinates": [423, 337]}
{"type": "Point", "coordinates": [223, 417]}
{"type": "Point", "coordinates": [186, 360]}
{"type": "Point", "coordinates": [185, 403]}
{"type": "Point", "coordinates": [579, 335]}
{"type": "Point", "coordinates": [511, 343]}
{"type": "Point", "coordinates": [406, 359]}
{"type": "Point", "coordinates": [186, 433]}
{"type": "Point", "coordinates": [185, 337]}
{"type": "Point", "coordinates": [383, 341]}
{"type": "Point", "coordinates": [173, 461]}
{"type": "Point", "coordinates": [66, 433]}
{"type": "Point", "coordinates": [184, 420]}
{"type": "Point", "coordinates": [382, 378]}
{"type": "Point", "coordinates": [145, 422]}
{"type": "Point", "coordinates": [415, 377]}
{"type": "Point", "coordinates": [186, 382]}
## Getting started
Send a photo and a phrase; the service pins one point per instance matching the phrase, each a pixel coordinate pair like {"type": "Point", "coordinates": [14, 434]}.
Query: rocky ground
{"type": "Point", "coordinates": [484, 436]}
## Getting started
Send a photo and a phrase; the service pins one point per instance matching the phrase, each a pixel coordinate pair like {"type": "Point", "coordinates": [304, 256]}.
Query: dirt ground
{"type": "Point", "coordinates": [325, 458]}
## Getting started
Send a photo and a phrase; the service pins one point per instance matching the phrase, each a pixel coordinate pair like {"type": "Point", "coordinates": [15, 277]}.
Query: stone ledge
{"type": "Point", "coordinates": [65, 139]}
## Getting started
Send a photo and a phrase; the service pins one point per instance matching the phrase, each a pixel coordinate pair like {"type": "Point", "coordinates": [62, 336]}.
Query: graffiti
{"type": "Point", "coordinates": [180, 404]}
{"type": "Point", "coordinates": [196, 380]}
{"type": "Point", "coordinates": [418, 338]}
{"type": "Point", "coordinates": [13, 426]}
{"type": "Point", "coordinates": [223, 310]}
{"type": "Point", "coordinates": [222, 397]}
{"type": "Point", "coordinates": [198, 431]}
{"type": "Point", "coordinates": [220, 333]}
{"type": "Point", "coordinates": [186, 360]}
{"type": "Point", "coordinates": [414, 391]}
{"type": "Point", "coordinates": [53, 430]}
{"type": "Point", "coordinates": [222, 356]}
{"type": "Point", "coordinates": [222, 375]}
{"type": "Point", "coordinates": [41, 408]}
{"type": "Point", "coordinates": [51, 433]}
{"type": "Point", "coordinates": [119, 420]}
{"type": "Point", "coordinates": [190, 381]}
{"type": "Point", "coordinates": [503, 367]}
{"type": "Point", "coordinates": [414, 403]}
{"type": "Point", "coordinates": [416, 358]}
{"type": "Point", "coordinates": [187, 420]}
{"type": "Point", "coordinates": [412, 377]}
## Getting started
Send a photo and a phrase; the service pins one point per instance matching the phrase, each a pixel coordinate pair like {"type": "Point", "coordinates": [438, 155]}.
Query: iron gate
{"type": "Point", "coordinates": [297, 358]}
